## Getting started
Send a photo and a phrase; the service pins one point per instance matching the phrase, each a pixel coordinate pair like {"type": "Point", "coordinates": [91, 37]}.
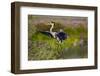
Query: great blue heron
{"type": "Point", "coordinates": [59, 36]}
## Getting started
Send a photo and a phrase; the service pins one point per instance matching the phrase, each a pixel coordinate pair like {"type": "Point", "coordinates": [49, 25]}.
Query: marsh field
{"type": "Point", "coordinates": [43, 47]}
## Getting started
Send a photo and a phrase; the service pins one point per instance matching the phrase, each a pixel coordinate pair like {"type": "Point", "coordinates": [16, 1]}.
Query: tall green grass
{"type": "Point", "coordinates": [45, 48]}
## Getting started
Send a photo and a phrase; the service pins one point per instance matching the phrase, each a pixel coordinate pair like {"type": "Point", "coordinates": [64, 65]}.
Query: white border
{"type": "Point", "coordinates": [25, 64]}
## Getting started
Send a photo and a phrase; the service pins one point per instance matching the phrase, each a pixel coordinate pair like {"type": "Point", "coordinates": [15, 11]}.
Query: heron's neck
{"type": "Point", "coordinates": [52, 26]}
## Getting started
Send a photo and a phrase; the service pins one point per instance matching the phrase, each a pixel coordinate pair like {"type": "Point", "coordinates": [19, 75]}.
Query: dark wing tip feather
{"type": "Point", "coordinates": [62, 35]}
{"type": "Point", "coordinates": [46, 33]}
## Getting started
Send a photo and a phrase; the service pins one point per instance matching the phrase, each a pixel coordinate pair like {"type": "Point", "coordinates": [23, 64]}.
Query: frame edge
{"type": "Point", "coordinates": [13, 37]}
{"type": "Point", "coordinates": [15, 69]}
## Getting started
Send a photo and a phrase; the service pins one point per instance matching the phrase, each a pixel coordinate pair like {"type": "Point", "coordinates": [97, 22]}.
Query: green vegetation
{"type": "Point", "coordinates": [42, 47]}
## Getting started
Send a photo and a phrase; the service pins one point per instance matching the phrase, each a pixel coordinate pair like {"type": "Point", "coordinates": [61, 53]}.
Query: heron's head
{"type": "Point", "coordinates": [51, 23]}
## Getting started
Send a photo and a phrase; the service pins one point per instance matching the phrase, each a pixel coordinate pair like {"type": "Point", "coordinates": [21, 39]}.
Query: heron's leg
{"type": "Point", "coordinates": [60, 42]}
{"type": "Point", "coordinates": [57, 38]}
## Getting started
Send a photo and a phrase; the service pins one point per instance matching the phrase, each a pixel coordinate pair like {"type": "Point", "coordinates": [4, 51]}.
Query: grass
{"type": "Point", "coordinates": [46, 48]}
{"type": "Point", "coordinates": [42, 47]}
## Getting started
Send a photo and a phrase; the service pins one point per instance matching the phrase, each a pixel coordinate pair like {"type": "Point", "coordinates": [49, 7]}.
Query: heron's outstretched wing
{"type": "Point", "coordinates": [62, 35]}
{"type": "Point", "coordinates": [47, 33]}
